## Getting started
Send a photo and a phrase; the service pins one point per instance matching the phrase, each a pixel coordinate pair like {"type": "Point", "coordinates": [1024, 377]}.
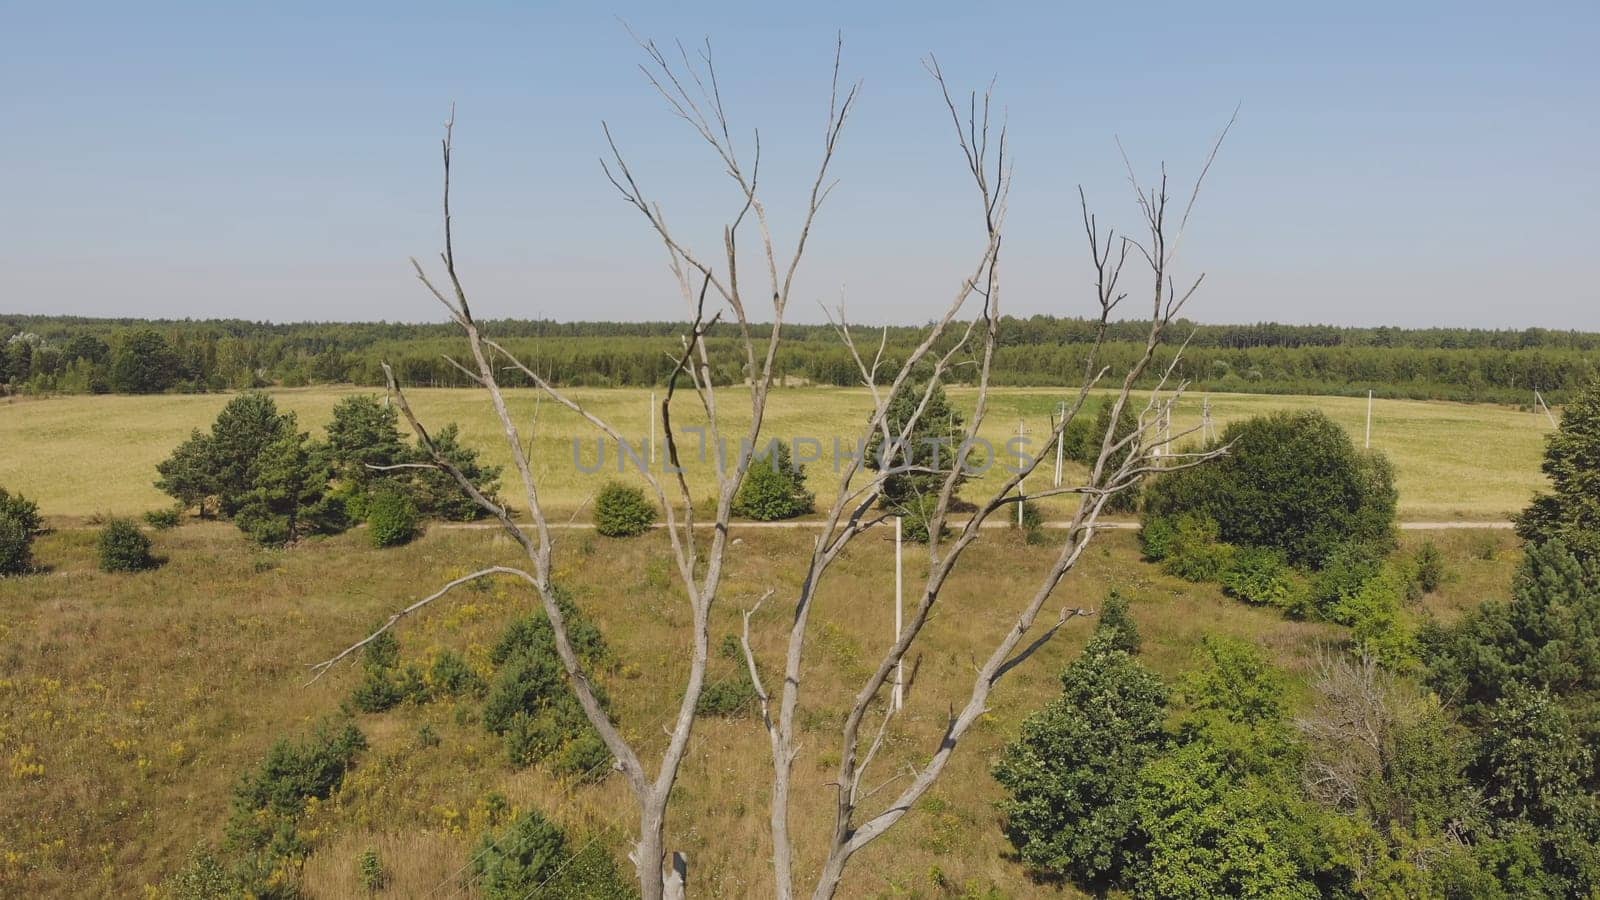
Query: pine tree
{"type": "Point", "coordinates": [189, 475]}
{"type": "Point", "coordinates": [290, 496]}
{"type": "Point", "coordinates": [1571, 510]}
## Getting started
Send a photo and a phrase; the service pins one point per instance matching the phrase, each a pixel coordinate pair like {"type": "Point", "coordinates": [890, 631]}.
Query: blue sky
{"type": "Point", "coordinates": [1408, 164]}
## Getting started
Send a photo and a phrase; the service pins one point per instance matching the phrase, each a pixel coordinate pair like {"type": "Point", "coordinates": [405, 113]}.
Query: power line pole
{"type": "Point", "coordinates": [1060, 440]}
{"type": "Point", "coordinates": [1369, 419]}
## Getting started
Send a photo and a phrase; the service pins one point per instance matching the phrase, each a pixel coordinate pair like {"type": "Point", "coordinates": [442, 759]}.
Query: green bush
{"type": "Point", "coordinates": [25, 511]}
{"type": "Point", "coordinates": [1430, 571]}
{"type": "Point", "coordinates": [268, 801]}
{"type": "Point", "coordinates": [1195, 553]}
{"type": "Point", "coordinates": [622, 511]}
{"type": "Point", "coordinates": [774, 487]}
{"type": "Point", "coordinates": [391, 517]}
{"type": "Point", "coordinates": [451, 676]}
{"type": "Point", "coordinates": [1261, 575]}
{"type": "Point", "coordinates": [1290, 481]}
{"type": "Point", "coordinates": [1073, 774]}
{"type": "Point", "coordinates": [1345, 571]}
{"type": "Point", "coordinates": [734, 694]}
{"type": "Point", "coordinates": [370, 868]}
{"type": "Point", "coordinates": [1157, 537]}
{"type": "Point", "coordinates": [533, 856]}
{"type": "Point", "coordinates": [124, 548]}
{"type": "Point", "coordinates": [164, 519]}
{"type": "Point", "coordinates": [16, 546]}
{"type": "Point", "coordinates": [530, 704]}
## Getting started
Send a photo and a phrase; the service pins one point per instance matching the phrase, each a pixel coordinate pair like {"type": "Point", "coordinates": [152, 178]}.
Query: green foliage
{"type": "Point", "coordinates": [621, 510]}
{"type": "Point", "coordinates": [1430, 571]}
{"type": "Point", "coordinates": [530, 705]}
{"type": "Point", "coordinates": [1378, 624]}
{"type": "Point", "coordinates": [1571, 510]}
{"type": "Point", "coordinates": [1291, 481]}
{"type": "Point", "coordinates": [191, 475]}
{"type": "Point", "coordinates": [532, 855]}
{"type": "Point", "coordinates": [1211, 834]}
{"type": "Point", "coordinates": [1116, 628]}
{"type": "Point", "coordinates": [16, 545]}
{"type": "Point", "coordinates": [1158, 537]}
{"type": "Point", "coordinates": [237, 449]}
{"type": "Point", "coordinates": [143, 363]}
{"type": "Point", "coordinates": [774, 487]}
{"type": "Point", "coordinates": [24, 511]}
{"type": "Point", "coordinates": [1344, 573]}
{"type": "Point", "coordinates": [1072, 775]}
{"type": "Point", "coordinates": [1547, 637]}
{"type": "Point", "coordinates": [364, 432]}
{"type": "Point", "coordinates": [124, 548]}
{"type": "Point", "coordinates": [1261, 575]}
{"type": "Point", "coordinates": [933, 444]}
{"type": "Point", "coordinates": [733, 694]}
{"type": "Point", "coordinates": [164, 519]}
{"type": "Point", "coordinates": [268, 801]}
{"type": "Point", "coordinates": [438, 495]}
{"type": "Point", "coordinates": [203, 877]}
{"type": "Point", "coordinates": [391, 516]}
{"type": "Point", "coordinates": [1532, 759]}
{"type": "Point", "coordinates": [450, 675]}
{"type": "Point", "coordinates": [289, 498]}
{"type": "Point", "coordinates": [1194, 553]}
{"type": "Point", "coordinates": [386, 684]}
{"type": "Point", "coordinates": [370, 869]}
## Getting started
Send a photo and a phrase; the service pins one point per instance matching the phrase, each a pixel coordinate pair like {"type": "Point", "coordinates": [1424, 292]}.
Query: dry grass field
{"type": "Point", "coordinates": [83, 455]}
{"type": "Point", "coordinates": [130, 704]}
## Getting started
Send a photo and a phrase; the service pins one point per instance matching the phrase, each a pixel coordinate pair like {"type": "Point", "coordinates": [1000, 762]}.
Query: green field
{"type": "Point", "coordinates": [84, 455]}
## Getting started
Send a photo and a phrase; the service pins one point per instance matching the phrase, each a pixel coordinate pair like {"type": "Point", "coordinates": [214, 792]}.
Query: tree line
{"type": "Point", "coordinates": [57, 354]}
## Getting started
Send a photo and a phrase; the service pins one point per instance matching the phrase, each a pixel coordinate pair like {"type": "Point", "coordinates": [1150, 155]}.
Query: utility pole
{"type": "Point", "coordinates": [1369, 419]}
{"type": "Point", "coordinates": [1061, 435]}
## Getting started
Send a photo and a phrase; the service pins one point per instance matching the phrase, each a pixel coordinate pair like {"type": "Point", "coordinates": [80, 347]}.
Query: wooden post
{"type": "Point", "coordinates": [1060, 440]}
{"type": "Point", "coordinates": [1369, 420]}
{"type": "Point", "coordinates": [1547, 413]}
{"type": "Point", "coordinates": [899, 613]}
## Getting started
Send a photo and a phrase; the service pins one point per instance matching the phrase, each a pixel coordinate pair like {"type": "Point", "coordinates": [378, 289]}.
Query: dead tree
{"type": "Point", "coordinates": [691, 91]}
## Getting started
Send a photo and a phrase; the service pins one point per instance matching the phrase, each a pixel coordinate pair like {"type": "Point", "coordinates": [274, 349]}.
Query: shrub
{"type": "Point", "coordinates": [268, 800]}
{"type": "Point", "coordinates": [1072, 775]}
{"type": "Point", "coordinates": [1291, 481]}
{"type": "Point", "coordinates": [1195, 553]}
{"type": "Point", "coordinates": [16, 546]}
{"type": "Point", "coordinates": [451, 676]}
{"type": "Point", "coordinates": [164, 519]}
{"type": "Point", "coordinates": [1345, 571]}
{"type": "Point", "coordinates": [530, 703]}
{"type": "Point", "coordinates": [1116, 625]}
{"type": "Point", "coordinates": [1377, 624]}
{"type": "Point", "coordinates": [1429, 567]}
{"type": "Point", "coordinates": [370, 867]}
{"type": "Point", "coordinates": [622, 511]}
{"type": "Point", "coordinates": [1158, 537]}
{"type": "Point", "coordinates": [25, 511]}
{"type": "Point", "coordinates": [391, 517]}
{"type": "Point", "coordinates": [734, 694]}
{"type": "Point", "coordinates": [532, 855]}
{"type": "Point", "coordinates": [124, 548]}
{"type": "Point", "coordinates": [774, 487]}
{"type": "Point", "coordinates": [1261, 575]}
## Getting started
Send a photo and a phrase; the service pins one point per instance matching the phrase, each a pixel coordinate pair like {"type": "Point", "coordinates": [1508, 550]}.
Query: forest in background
{"type": "Point", "coordinates": [64, 354]}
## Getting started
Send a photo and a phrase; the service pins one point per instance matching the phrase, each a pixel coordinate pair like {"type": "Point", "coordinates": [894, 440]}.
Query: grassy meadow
{"type": "Point", "coordinates": [84, 455]}
{"type": "Point", "coordinates": [129, 705]}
